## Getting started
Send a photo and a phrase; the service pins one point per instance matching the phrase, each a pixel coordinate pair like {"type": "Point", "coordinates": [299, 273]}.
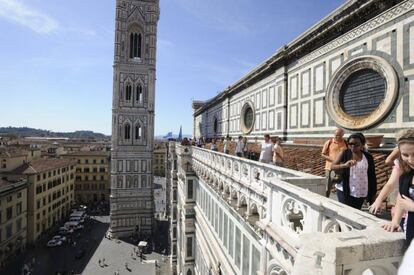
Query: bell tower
{"type": "Point", "coordinates": [131, 201]}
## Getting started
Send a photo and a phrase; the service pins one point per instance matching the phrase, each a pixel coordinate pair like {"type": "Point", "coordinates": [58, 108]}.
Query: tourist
{"type": "Point", "coordinates": [213, 145]}
{"type": "Point", "coordinates": [405, 201]}
{"type": "Point", "coordinates": [277, 152]}
{"type": "Point", "coordinates": [392, 183]}
{"type": "Point", "coordinates": [330, 151]}
{"type": "Point", "coordinates": [226, 145]}
{"type": "Point", "coordinates": [395, 154]}
{"type": "Point", "coordinates": [266, 150]}
{"type": "Point", "coordinates": [239, 147]}
{"type": "Point", "coordinates": [245, 149]}
{"type": "Point", "coordinates": [358, 179]}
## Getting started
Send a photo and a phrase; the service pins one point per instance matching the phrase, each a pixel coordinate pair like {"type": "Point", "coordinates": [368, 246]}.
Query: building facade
{"type": "Point", "coordinates": [92, 182]}
{"type": "Point", "coordinates": [50, 192]}
{"type": "Point", "coordinates": [160, 155]}
{"type": "Point", "coordinates": [131, 202]}
{"type": "Point", "coordinates": [13, 219]}
{"type": "Point", "coordinates": [352, 69]}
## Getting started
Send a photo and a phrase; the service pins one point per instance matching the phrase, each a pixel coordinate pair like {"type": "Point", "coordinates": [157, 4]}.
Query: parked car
{"type": "Point", "coordinates": [65, 231]}
{"type": "Point", "coordinates": [53, 243]}
{"type": "Point", "coordinates": [79, 254]}
{"type": "Point", "coordinates": [59, 238]}
{"type": "Point", "coordinates": [72, 225]}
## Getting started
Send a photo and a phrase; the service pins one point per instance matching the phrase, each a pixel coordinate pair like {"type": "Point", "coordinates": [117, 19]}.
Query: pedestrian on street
{"type": "Point", "coordinates": [99, 262]}
{"type": "Point", "coordinates": [103, 261]}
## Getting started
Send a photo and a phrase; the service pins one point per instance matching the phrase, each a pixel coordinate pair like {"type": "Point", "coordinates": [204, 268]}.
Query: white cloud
{"type": "Point", "coordinates": [20, 13]}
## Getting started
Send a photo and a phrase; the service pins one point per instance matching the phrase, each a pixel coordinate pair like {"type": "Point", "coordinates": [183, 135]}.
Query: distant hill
{"type": "Point", "coordinates": [31, 132]}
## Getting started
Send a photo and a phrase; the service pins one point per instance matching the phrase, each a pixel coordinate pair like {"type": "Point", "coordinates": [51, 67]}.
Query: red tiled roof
{"type": "Point", "coordinates": [42, 165]}
{"type": "Point", "coordinates": [88, 153]}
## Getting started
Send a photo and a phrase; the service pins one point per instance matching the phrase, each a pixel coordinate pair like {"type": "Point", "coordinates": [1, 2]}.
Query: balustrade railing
{"type": "Point", "coordinates": [300, 227]}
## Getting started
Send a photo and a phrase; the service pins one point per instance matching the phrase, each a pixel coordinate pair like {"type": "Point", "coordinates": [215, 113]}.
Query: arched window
{"type": "Point", "coordinates": [138, 132]}
{"type": "Point", "coordinates": [127, 133]}
{"type": "Point", "coordinates": [189, 272]}
{"type": "Point", "coordinates": [135, 40]}
{"type": "Point", "coordinates": [139, 93]}
{"type": "Point", "coordinates": [128, 92]}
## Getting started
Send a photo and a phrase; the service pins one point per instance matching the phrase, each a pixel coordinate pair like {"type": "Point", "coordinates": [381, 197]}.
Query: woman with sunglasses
{"type": "Point", "coordinates": [357, 170]}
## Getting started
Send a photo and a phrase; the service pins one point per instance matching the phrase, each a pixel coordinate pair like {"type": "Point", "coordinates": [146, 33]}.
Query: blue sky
{"type": "Point", "coordinates": [56, 56]}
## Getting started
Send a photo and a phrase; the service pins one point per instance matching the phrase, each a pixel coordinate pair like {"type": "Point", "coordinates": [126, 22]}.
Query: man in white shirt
{"type": "Point", "coordinates": [266, 152]}
{"type": "Point", "coordinates": [239, 147]}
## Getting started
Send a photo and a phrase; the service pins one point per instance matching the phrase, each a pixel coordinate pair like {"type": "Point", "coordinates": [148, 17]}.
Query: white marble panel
{"type": "Point", "coordinates": [279, 120]}
{"type": "Point", "coordinates": [411, 45]}
{"type": "Point", "coordinates": [305, 114]}
{"type": "Point", "coordinates": [319, 112]}
{"type": "Point", "coordinates": [293, 87]}
{"type": "Point", "coordinates": [335, 64]}
{"type": "Point", "coordinates": [264, 121]}
{"type": "Point", "coordinates": [305, 84]}
{"type": "Point", "coordinates": [360, 50]}
{"type": "Point", "coordinates": [279, 95]}
{"type": "Point", "coordinates": [258, 100]}
{"type": "Point", "coordinates": [264, 98]}
{"type": "Point", "coordinates": [271, 120]}
{"type": "Point", "coordinates": [272, 95]}
{"type": "Point", "coordinates": [384, 45]}
{"type": "Point", "coordinates": [319, 78]}
{"type": "Point", "coordinates": [257, 122]}
{"type": "Point", "coordinates": [293, 111]}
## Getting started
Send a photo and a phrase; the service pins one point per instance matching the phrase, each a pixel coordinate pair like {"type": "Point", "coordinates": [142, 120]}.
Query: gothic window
{"type": "Point", "coordinates": [139, 97]}
{"type": "Point", "coordinates": [127, 132]}
{"type": "Point", "coordinates": [128, 92]}
{"type": "Point", "coordinates": [189, 272]}
{"type": "Point", "coordinates": [138, 132]}
{"type": "Point", "coordinates": [135, 42]}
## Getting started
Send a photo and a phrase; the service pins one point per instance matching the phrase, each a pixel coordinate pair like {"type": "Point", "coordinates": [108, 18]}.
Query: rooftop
{"type": "Point", "coordinates": [42, 165]}
{"type": "Point", "coordinates": [88, 153]}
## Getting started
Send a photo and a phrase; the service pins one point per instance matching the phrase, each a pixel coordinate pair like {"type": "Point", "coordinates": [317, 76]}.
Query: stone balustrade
{"type": "Point", "coordinates": [301, 230]}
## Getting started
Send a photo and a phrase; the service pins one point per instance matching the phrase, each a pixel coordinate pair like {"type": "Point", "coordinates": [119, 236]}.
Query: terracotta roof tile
{"type": "Point", "coordinates": [42, 165]}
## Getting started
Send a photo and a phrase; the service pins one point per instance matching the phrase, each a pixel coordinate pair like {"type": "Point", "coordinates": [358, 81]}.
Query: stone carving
{"type": "Point", "coordinates": [293, 215]}
{"type": "Point", "coordinates": [361, 30]}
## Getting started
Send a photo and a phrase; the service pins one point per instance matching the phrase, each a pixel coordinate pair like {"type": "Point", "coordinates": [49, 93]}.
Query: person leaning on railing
{"type": "Point", "coordinates": [392, 183]}
{"type": "Point", "coordinates": [358, 179]}
{"type": "Point", "coordinates": [405, 201]}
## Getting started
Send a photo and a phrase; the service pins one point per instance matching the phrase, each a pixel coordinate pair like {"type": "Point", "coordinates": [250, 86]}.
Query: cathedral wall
{"type": "Point", "coordinates": [304, 98]}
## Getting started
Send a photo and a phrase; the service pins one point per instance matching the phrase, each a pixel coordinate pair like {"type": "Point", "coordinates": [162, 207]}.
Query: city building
{"type": "Point", "coordinates": [231, 215]}
{"type": "Point", "coordinates": [92, 176]}
{"type": "Point", "coordinates": [160, 155]}
{"type": "Point", "coordinates": [160, 198]}
{"type": "Point", "coordinates": [131, 202]}
{"type": "Point", "coordinates": [13, 219]}
{"type": "Point", "coordinates": [50, 192]}
{"type": "Point", "coordinates": [12, 157]}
